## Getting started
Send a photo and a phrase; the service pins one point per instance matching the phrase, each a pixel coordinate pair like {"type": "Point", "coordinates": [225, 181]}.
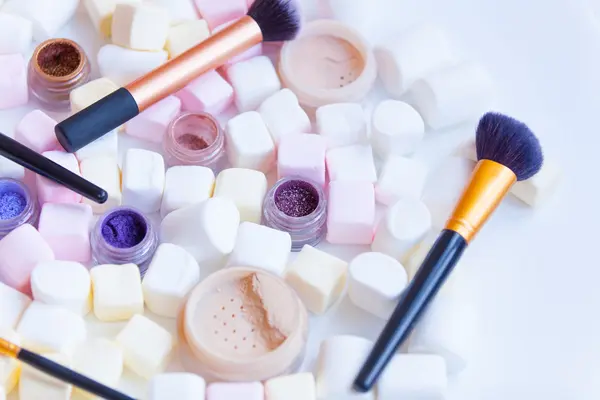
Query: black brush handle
{"type": "Point", "coordinates": [47, 168]}
{"type": "Point", "coordinates": [430, 277]}
{"type": "Point", "coordinates": [95, 121]}
{"type": "Point", "coordinates": [67, 375]}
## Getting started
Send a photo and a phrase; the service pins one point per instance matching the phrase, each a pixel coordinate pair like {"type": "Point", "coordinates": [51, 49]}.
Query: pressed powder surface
{"type": "Point", "coordinates": [12, 204]}
{"type": "Point", "coordinates": [296, 198]}
{"type": "Point", "coordinates": [124, 229]}
{"type": "Point", "coordinates": [59, 59]}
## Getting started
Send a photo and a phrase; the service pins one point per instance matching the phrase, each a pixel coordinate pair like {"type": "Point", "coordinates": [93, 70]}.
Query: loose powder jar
{"type": "Point", "coordinates": [242, 324]}
{"type": "Point", "coordinates": [17, 207]}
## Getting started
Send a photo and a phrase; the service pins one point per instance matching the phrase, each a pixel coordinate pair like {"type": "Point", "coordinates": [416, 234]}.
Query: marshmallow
{"type": "Point", "coordinates": [413, 376]}
{"type": "Point", "coordinates": [206, 230]}
{"type": "Point", "coordinates": [2, 391]}
{"type": "Point", "coordinates": [452, 95]}
{"type": "Point", "coordinates": [253, 81]}
{"type": "Point", "coordinates": [340, 359]}
{"type": "Point", "coordinates": [318, 278]}
{"type": "Point", "coordinates": [414, 55]}
{"type": "Point", "coordinates": [146, 346]}
{"type": "Point", "coordinates": [36, 131]}
{"type": "Point", "coordinates": [36, 385]}
{"type": "Point", "coordinates": [210, 93]}
{"type": "Point", "coordinates": [249, 144]}
{"type": "Point", "coordinates": [261, 247]}
{"type": "Point", "coordinates": [180, 386]}
{"type": "Point", "coordinates": [360, 16]}
{"type": "Point", "coordinates": [117, 292]}
{"type": "Point", "coordinates": [10, 369]}
{"type": "Point", "coordinates": [186, 35]}
{"type": "Point", "coordinates": [104, 172]}
{"type": "Point", "coordinates": [123, 66]}
{"type": "Point", "coordinates": [219, 12]}
{"type": "Point", "coordinates": [152, 123]}
{"type": "Point", "coordinates": [142, 26]}
{"type": "Point", "coordinates": [20, 251]}
{"type": "Point", "coordinates": [403, 226]}
{"type": "Point", "coordinates": [101, 13]}
{"type": "Point", "coordinates": [415, 257]}
{"type": "Point", "coordinates": [396, 129]}
{"type": "Point", "coordinates": [342, 124]}
{"type": "Point", "coordinates": [350, 212]}
{"type": "Point", "coordinates": [351, 163]}
{"type": "Point", "coordinates": [180, 11]}
{"type": "Point", "coordinates": [85, 95]}
{"type": "Point", "coordinates": [65, 227]}
{"type": "Point", "coordinates": [283, 115]}
{"type": "Point", "coordinates": [46, 328]}
{"type": "Point", "coordinates": [16, 34]}
{"type": "Point", "coordinates": [468, 150]}
{"type": "Point", "coordinates": [302, 155]}
{"type": "Point", "coordinates": [47, 17]}
{"type": "Point", "coordinates": [12, 305]}
{"type": "Point", "coordinates": [143, 180]}
{"type": "Point", "coordinates": [253, 51]}
{"type": "Point", "coordinates": [186, 185]}
{"type": "Point", "coordinates": [246, 188]}
{"type": "Point", "coordinates": [537, 189]}
{"type": "Point", "coordinates": [376, 282]}
{"type": "Point", "coordinates": [13, 81]}
{"type": "Point", "coordinates": [10, 169]}
{"type": "Point", "coordinates": [235, 390]}
{"type": "Point", "coordinates": [65, 284]}
{"type": "Point", "coordinates": [400, 178]}
{"type": "Point", "coordinates": [100, 360]}
{"type": "Point", "coordinates": [291, 387]}
{"type": "Point", "coordinates": [172, 273]}
{"type": "Point", "coordinates": [105, 146]}
{"type": "Point", "coordinates": [51, 192]}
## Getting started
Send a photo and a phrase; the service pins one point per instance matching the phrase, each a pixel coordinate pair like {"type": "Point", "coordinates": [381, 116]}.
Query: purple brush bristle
{"type": "Point", "coordinates": [509, 142]}
{"type": "Point", "coordinates": [279, 20]}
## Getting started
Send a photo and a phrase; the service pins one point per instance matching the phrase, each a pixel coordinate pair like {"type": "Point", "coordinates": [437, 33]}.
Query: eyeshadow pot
{"type": "Point", "coordinates": [17, 206]}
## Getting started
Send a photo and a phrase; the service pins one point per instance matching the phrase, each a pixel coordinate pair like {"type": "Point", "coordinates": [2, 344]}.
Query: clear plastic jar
{"type": "Point", "coordinates": [28, 215]}
{"type": "Point", "coordinates": [306, 222]}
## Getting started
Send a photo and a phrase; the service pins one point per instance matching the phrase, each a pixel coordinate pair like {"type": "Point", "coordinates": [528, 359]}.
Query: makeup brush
{"type": "Point", "coordinates": [267, 21]}
{"type": "Point", "coordinates": [47, 168]}
{"type": "Point", "coordinates": [59, 372]}
{"type": "Point", "coordinates": [507, 152]}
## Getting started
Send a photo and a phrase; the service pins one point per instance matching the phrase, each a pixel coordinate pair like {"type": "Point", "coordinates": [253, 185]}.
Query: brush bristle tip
{"type": "Point", "coordinates": [279, 20]}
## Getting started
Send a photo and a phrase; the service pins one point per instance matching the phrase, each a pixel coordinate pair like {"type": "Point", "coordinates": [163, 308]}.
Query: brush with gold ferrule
{"type": "Point", "coordinates": [507, 152]}
{"type": "Point", "coordinates": [59, 372]}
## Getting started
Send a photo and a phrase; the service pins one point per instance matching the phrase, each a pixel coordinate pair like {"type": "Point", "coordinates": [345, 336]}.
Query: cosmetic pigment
{"type": "Point", "coordinates": [296, 198]}
{"type": "Point", "coordinates": [192, 142]}
{"type": "Point", "coordinates": [59, 59]}
{"type": "Point", "coordinates": [124, 229]}
{"type": "Point", "coordinates": [12, 204]}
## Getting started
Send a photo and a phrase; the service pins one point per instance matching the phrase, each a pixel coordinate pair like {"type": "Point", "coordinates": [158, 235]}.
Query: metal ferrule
{"type": "Point", "coordinates": [9, 349]}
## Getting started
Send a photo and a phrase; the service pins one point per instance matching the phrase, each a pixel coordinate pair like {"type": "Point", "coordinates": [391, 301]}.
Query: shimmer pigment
{"type": "Point", "coordinates": [192, 142]}
{"type": "Point", "coordinates": [296, 198]}
{"type": "Point", "coordinates": [59, 59]}
{"type": "Point", "coordinates": [12, 204]}
{"type": "Point", "coordinates": [124, 229]}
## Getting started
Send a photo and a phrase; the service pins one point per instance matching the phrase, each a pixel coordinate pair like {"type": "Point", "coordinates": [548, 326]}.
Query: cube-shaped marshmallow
{"type": "Point", "coordinates": [123, 66]}
{"type": "Point", "coordinates": [350, 212]}
{"type": "Point", "coordinates": [51, 192]}
{"type": "Point", "coordinates": [400, 178]}
{"type": "Point", "coordinates": [178, 385]}
{"type": "Point", "coordinates": [253, 51]}
{"type": "Point", "coordinates": [259, 246]}
{"type": "Point", "coordinates": [85, 95]}
{"type": "Point", "coordinates": [414, 257]}
{"type": "Point", "coordinates": [299, 386]}
{"type": "Point", "coordinates": [105, 146]}
{"type": "Point", "coordinates": [10, 169]}
{"type": "Point", "coordinates": [246, 188]}
{"type": "Point", "coordinates": [146, 346]}
{"type": "Point", "coordinates": [35, 385]}
{"type": "Point", "coordinates": [253, 81]}
{"type": "Point", "coordinates": [186, 35]}
{"type": "Point", "coordinates": [413, 376]}
{"type": "Point", "coordinates": [12, 306]}
{"type": "Point", "coordinates": [351, 163]}
{"type": "Point", "coordinates": [396, 129]}
{"type": "Point", "coordinates": [36, 131]}
{"type": "Point", "coordinates": [13, 81]}
{"type": "Point", "coordinates": [249, 144]}
{"type": "Point", "coordinates": [219, 12]}
{"type": "Point", "coordinates": [142, 26]}
{"type": "Point", "coordinates": [101, 360]}
{"type": "Point", "coordinates": [2, 394]}
{"type": "Point", "coordinates": [283, 115]}
{"type": "Point", "coordinates": [342, 124]}
{"type": "Point", "coordinates": [235, 390]}
{"type": "Point", "coordinates": [20, 251]}
{"type": "Point", "coordinates": [101, 13]}
{"type": "Point", "coordinates": [318, 277]}
{"type": "Point", "coordinates": [152, 123]}
{"type": "Point", "coordinates": [210, 93]}
{"type": "Point", "coordinates": [47, 18]}
{"type": "Point", "coordinates": [186, 185]}
{"type": "Point", "coordinates": [172, 273]}
{"type": "Point", "coordinates": [104, 172]}
{"type": "Point", "coordinates": [66, 229]}
{"type": "Point", "coordinates": [16, 34]}
{"type": "Point", "coordinates": [117, 292]}
{"type": "Point", "coordinates": [143, 180]}
{"type": "Point", "coordinates": [10, 369]}
{"type": "Point", "coordinates": [180, 11]}
{"type": "Point", "coordinates": [539, 188]}
{"type": "Point", "coordinates": [302, 155]}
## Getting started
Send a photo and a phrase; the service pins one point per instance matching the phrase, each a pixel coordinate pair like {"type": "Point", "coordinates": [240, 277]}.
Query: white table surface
{"type": "Point", "coordinates": [535, 278]}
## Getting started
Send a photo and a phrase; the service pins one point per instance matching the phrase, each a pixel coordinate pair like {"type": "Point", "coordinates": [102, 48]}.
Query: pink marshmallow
{"type": "Point", "coordinates": [250, 2]}
{"type": "Point", "coordinates": [302, 155]}
{"type": "Point", "coordinates": [350, 212]}
{"type": "Point", "coordinates": [210, 93]}
{"type": "Point", "coordinates": [235, 390]}
{"type": "Point", "coordinates": [36, 131]}
{"type": "Point", "coordinates": [253, 51]}
{"type": "Point", "coordinates": [20, 251]}
{"type": "Point", "coordinates": [14, 91]}
{"type": "Point", "coordinates": [152, 123]}
{"type": "Point", "coordinates": [50, 192]}
{"type": "Point", "coordinates": [66, 229]}
{"type": "Point", "coordinates": [216, 13]}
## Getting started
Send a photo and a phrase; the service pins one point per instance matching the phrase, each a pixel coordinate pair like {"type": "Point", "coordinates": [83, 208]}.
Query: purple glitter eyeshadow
{"type": "Point", "coordinates": [124, 229]}
{"type": "Point", "coordinates": [296, 198]}
{"type": "Point", "coordinates": [12, 204]}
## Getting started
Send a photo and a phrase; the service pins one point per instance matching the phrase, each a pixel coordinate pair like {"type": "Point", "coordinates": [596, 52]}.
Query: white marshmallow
{"type": "Point", "coordinates": [117, 292]}
{"type": "Point", "coordinates": [10, 169]}
{"type": "Point", "coordinates": [146, 346]}
{"type": "Point", "coordinates": [417, 53]}
{"type": "Point", "coordinates": [36, 385]}
{"type": "Point", "coordinates": [259, 246]}
{"type": "Point", "coordinates": [47, 17]}
{"type": "Point", "coordinates": [318, 277]}
{"type": "Point", "coordinates": [342, 124]}
{"type": "Point", "coordinates": [86, 95]}
{"type": "Point", "coordinates": [179, 385]}
{"type": "Point", "coordinates": [360, 16]}
{"type": "Point", "coordinates": [340, 359]}
{"type": "Point", "coordinates": [12, 305]}
{"type": "Point", "coordinates": [65, 284]}
{"type": "Point", "coordinates": [539, 188]}
{"type": "Point", "coordinates": [376, 282]}
{"type": "Point", "coordinates": [403, 226]}
{"type": "Point", "coordinates": [396, 129]}
{"type": "Point", "coordinates": [415, 257]}
{"type": "Point", "coordinates": [100, 360]}
{"type": "Point", "coordinates": [413, 376]}
{"type": "Point", "coordinates": [452, 95]}
{"type": "Point", "coordinates": [46, 328]}
{"type": "Point", "coordinates": [253, 81]}
{"type": "Point", "coordinates": [101, 13]}
{"type": "Point", "coordinates": [123, 66]}
{"type": "Point", "coordinates": [351, 163]}
{"type": "Point", "coordinates": [143, 180]}
{"type": "Point", "coordinates": [180, 11]}
{"type": "Point", "coordinates": [104, 172]}
{"type": "Point", "coordinates": [467, 150]}
{"type": "Point", "coordinates": [186, 35]}
{"type": "Point", "coordinates": [283, 115]}
{"type": "Point", "coordinates": [400, 178]}
{"type": "Point", "coordinates": [16, 34]}
{"type": "Point", "coordinates": [105, 146]}
{"type": "Point", "coordinates": [172, 273]}
{"type": "Point", "coordinates": [299, 386]}
{"type": "Point", "coordinates": [2, 391]}
{"type": "Point", "coordinates": [246, 188]}
{"type": "Point", "coordinates": [10, 369]}
{"type": "Point", "coordinates": [249, 144]}
{"type": "Point", "coordinates": [186, 185]}
{"type": "Point", "coordinates": [142, 26]}
{"type": "Point", "coordinates": [206, 230]}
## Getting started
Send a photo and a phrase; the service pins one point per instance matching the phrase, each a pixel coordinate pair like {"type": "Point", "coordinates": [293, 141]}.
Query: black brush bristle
{"type": "Point", "coordinates": [279, 20]}
{"type": "Point", "coordinates": [509, 142]}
